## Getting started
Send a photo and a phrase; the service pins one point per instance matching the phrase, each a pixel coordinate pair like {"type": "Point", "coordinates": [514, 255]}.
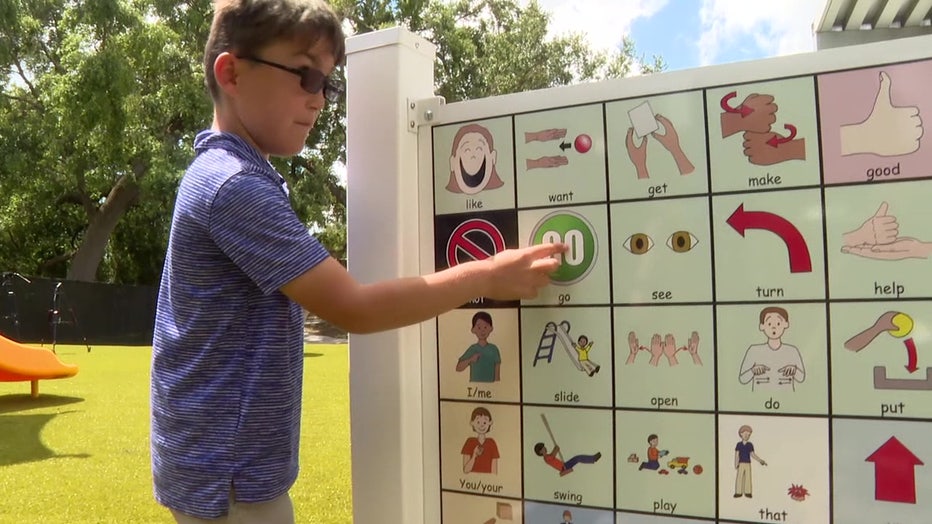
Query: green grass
{"type": "Point", "coordinates": [79, 453]}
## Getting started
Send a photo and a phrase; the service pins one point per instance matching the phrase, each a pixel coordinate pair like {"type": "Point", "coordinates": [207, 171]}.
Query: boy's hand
{"type": "Point", "coordinates": [520, 273]}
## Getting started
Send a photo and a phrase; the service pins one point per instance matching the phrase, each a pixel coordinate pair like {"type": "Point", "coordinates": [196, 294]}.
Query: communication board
{"type": "Point", "coordinates": [740, 330]}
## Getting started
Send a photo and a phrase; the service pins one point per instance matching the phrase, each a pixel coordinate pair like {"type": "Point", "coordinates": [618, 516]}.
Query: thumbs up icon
{"type": "Point", "coordinates": [888, 130]}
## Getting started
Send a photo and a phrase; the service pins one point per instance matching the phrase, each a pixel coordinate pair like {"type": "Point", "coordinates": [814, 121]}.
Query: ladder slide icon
{"type": "Point", "coordinates": [552, 334]}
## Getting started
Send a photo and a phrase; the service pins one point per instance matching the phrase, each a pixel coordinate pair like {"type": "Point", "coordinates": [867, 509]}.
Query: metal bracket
{"type": "Point", "coordinates": [422, 112]}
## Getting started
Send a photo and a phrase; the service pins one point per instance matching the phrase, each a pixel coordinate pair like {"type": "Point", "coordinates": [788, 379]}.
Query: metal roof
{"type": "Point", "coordinates": [855, 15]}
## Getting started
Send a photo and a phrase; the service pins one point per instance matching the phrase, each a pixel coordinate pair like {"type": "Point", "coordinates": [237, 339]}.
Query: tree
{"type": "Point", "coordinates": [99, 104]}
{"type": "Point", "coordinates": [103, 101]}
{"type": "Point", "coordinates": [100, 101]}
{"type": "Point", "coordinates": [496, 47]}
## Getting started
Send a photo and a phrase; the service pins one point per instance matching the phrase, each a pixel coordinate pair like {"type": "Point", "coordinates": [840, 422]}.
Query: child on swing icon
{"type": "Point", "coordinates": [554, 458]}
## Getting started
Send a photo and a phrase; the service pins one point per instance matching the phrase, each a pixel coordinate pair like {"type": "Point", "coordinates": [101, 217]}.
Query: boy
{"type": "Point", "coordinates": [227, 350]}
{"type": "Point", "coordinates": [744, 452]}
{"type": "Point", "coordinates": [565, 468]}
{"type": "Point", "coordinates": [482, 358]}
{"type": "Point", "coordinates": [480, 453]}
{"type": "Point", "coordinates": [583, 346]}
{"type": "Point", "coordinates": [653, 454]}
{"type": "Point", "coordinates": [774, 365]}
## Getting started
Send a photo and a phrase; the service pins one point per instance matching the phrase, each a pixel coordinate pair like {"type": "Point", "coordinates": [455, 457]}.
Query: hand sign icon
{"type": "Point", "coordinates": [888, 130]}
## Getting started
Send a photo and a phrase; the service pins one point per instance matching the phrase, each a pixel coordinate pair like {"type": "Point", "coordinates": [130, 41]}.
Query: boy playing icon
{"type": "Point", "coordinates": [653, 454]}
{"type": "Point", "coordinates": [228, 352]}
{"type": "Point", "coordinates": [582, 346]}
{"type": "Point", "coordinates": [565, 468]}
{"type": "Point", "coordinates": [482, 358]}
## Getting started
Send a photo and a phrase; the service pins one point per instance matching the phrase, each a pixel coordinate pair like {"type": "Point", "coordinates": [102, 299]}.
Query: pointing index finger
{"type": "Point", "coordinates": [546, 250]}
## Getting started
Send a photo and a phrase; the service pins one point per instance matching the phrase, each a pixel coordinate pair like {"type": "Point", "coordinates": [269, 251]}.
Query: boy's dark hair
{"type": "Point", "coordinates": [539, 449]}
{"type": "Point", "coordinates": [773, 309]}
{"type": "Point", "coordinates": [246, 26]}
{"type": "Point", "coordinates": [651, 437]}
{"type": "Point", "coordinates": [480, 412]}
{"type": "Point", "coordinates": [482, 315]}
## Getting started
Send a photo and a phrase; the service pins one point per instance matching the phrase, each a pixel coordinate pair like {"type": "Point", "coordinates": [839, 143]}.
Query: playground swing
{"type": "Point", "coordinates": [12, 310]}
{"type": "Point", "coordinates": [552, 439]}
{"type": "Point", "coordinates": [55, 317]}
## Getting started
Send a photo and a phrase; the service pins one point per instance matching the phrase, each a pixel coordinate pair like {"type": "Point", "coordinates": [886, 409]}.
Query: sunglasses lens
{"type": "Point", "coordinates": [312, 80]}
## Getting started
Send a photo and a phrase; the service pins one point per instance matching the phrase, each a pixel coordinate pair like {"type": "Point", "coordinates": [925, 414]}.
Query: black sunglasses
{"type": "Point", "coordinates": [312, 80]}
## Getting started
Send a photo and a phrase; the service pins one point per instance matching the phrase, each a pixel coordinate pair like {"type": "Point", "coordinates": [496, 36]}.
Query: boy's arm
{"type": "Point", "coordinates": [330, 292]}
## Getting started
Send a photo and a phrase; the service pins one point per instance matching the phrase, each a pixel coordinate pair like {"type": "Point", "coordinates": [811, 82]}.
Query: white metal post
{"type": "Point", "coordinates": [386, 71]}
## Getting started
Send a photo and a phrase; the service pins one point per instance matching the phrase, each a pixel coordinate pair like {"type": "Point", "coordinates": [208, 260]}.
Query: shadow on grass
{"type": "Point", "coordinates": [13, 403]}
{"type": "Point", "coordinates": [21, 437]}
{"type": "Point", "coordinates": [309, 355]}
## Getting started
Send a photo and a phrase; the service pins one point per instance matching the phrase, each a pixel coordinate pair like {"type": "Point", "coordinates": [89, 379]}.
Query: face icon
{"type": "Point", "coordinates": [774, 325]}
{"type": "Point", "coordinates": [481, 424]}
{"type": "Point", "coordinates": [745, 435]}
{"type": "Point", "coordinates": [481, 329]}
{"type": "Point", "coordinates": [472, 161]}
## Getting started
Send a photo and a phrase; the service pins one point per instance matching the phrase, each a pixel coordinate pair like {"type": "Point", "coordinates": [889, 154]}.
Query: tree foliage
{"type": "Point", "coordinates": [100, 101]}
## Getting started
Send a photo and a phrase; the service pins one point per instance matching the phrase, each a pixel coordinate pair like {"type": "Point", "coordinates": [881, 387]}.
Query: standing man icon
{"type": "Point", "coordinates": [744, 452]}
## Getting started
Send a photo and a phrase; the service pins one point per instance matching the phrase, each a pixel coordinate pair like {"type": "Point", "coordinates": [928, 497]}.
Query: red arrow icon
{"type": "Point", "coordinates": [894, 472]}
{"type": "Point", "coordinates": [911, 355]}
{"type": "Point", "coordinates": [744, 110]}
{"type": "Point", "coordinates": [800, 262]}
{"type": "Point", "coordinates": [776, 139]}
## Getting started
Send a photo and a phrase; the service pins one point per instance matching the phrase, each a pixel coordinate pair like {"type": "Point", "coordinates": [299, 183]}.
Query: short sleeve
{"type": "Point", "coordinates": [252, 222]}
{"type": "Point", "coordinates": [470, 351]}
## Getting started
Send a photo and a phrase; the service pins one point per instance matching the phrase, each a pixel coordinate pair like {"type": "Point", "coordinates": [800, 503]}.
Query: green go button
{"type": "Point", "coordinates": [574, 231]}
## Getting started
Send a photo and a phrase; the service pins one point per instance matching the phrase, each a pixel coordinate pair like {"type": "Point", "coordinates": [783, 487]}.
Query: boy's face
{"type": "Point", "coordinates": [481, 424]}
{"type": "Point", "coordinates": [774, 325]}
{"type": "Point", "coordinates": [268, 104]}
{"type": "Point", "coordinates": [482, 329]}
{"type": "Point", "coordinates": [653, 442]}
{"type": "Point", "coordinates": [745, 435]}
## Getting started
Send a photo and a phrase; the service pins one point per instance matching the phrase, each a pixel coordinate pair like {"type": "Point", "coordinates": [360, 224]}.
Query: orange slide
{"type": "Point", "coordinates": [19, 363]}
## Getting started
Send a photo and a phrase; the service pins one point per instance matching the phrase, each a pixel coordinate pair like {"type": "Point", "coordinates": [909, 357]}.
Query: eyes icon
{"type": "Point", "coordinates": [679, 242]}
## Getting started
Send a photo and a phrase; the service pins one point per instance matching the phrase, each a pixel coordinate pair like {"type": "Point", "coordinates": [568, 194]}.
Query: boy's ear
{"type": "Point", "coordinates": [225, 72]}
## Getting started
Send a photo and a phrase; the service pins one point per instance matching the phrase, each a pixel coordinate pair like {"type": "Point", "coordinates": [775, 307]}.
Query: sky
{"type": "Point", "coordinates": [692, 33]}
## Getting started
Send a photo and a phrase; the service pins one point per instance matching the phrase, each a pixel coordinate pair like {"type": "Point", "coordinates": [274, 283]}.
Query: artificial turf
{"type": "Point", "coordinates": [79, 453]}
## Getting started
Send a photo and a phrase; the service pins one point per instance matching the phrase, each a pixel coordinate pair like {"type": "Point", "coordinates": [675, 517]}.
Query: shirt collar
{"type": "Point", "coordinates": [212, 139]}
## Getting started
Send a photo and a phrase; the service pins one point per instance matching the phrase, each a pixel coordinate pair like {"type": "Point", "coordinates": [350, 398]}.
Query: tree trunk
{"type": "Point", "coordinates": [101, 224]}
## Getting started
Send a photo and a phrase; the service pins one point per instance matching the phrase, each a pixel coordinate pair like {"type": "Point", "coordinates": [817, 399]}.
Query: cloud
{"type": "Point", "coordinates": [604, 22]}
{"type": "Point", "coordinates": [778, 27]}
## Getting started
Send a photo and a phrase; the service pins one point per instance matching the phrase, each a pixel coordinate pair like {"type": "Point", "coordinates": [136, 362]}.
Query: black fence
{"type": "Point", "coordinates": [39, 310]}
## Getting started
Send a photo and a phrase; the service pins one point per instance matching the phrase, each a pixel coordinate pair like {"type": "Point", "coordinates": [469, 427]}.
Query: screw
{"type": "Point", "coordinates": [428, 115]}
{"type": "Point", "coordinates": [411, 124]}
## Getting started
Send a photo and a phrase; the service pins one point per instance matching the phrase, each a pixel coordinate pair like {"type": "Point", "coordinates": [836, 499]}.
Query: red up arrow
{"type": "Point", "coordinates": [911, 355]}
{"type": "Point", "coordinates": [776, 139]}
{"type": "Point", "coordinates": [744, 110]}
{"type": "Point", "coordinates": [894, 472]}
{"type": "Point", "coordinates": [800, 261]}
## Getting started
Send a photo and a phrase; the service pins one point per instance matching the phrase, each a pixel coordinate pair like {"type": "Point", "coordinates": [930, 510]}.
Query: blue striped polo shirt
{"type": "Point", "coordinates": [227, 352]}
